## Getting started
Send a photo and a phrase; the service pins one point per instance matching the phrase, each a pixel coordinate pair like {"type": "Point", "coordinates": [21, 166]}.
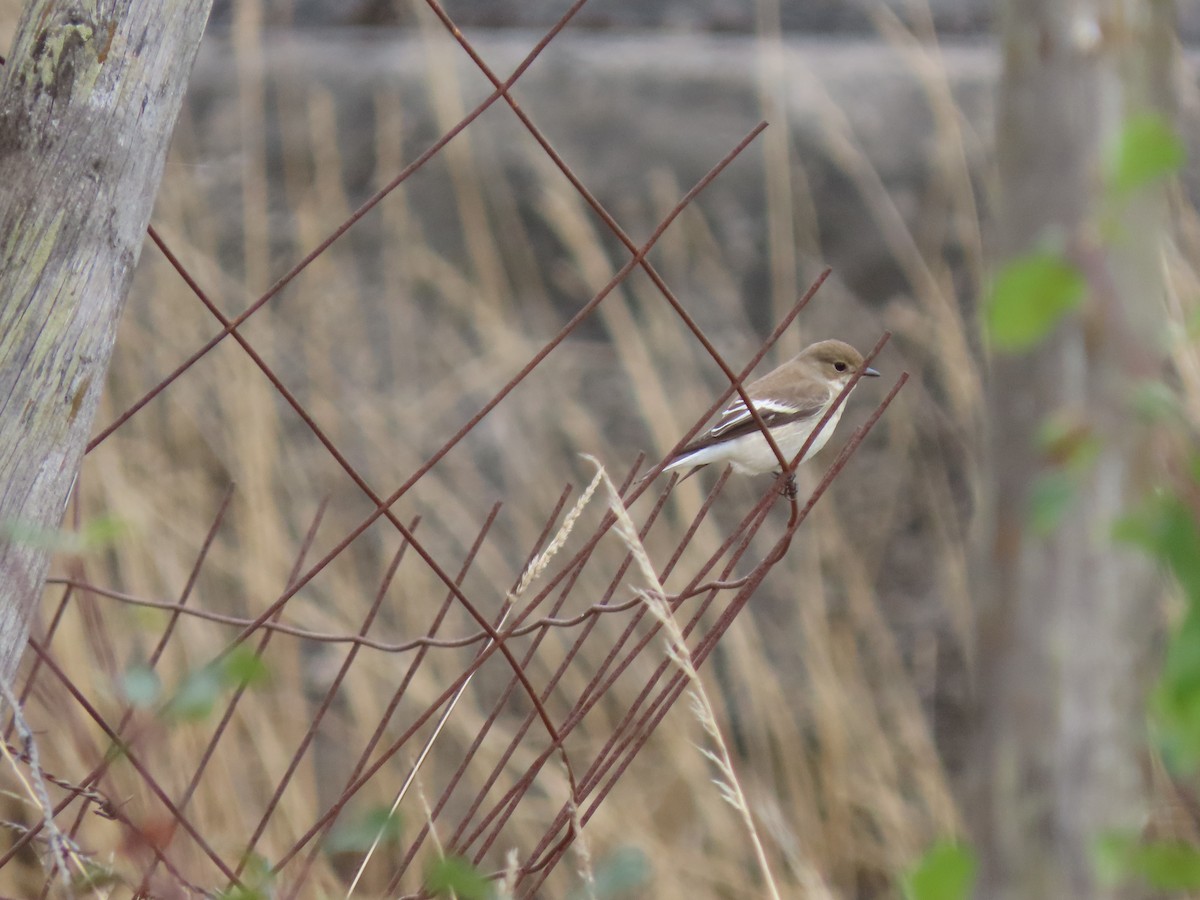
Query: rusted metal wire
{"type": "Point", "coordinates": [640, 732]}
{"type": "Point", "coordinates": [345, 226]}
{"type": "Point", "coordinates": [490, 721]}
{"type": "Point", "coordinates": [336, 683]}
{"type": "Point", "coordinates": [143, 771]}
{"type": "Point", "coordinates": [211, 747]}
{"type": "Point", "coordinates": [93, 777]}
{"type": "Point", "coordinates": [325, 637]}
{"type": "Point", "coordinates": [513, 635]}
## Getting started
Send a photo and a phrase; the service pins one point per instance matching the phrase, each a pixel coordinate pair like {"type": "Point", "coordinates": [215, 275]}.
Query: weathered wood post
{"type": "Point", "coordinates": [89, 98]}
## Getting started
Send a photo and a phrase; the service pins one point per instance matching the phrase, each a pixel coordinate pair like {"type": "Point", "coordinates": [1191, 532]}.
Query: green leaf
{"type": "Point", "coordinates": [245, 892]}
{"type": "Point", "coordinates": [94, 877]}
{"type": "Point", "coordinates": [1029, 297]}
{"type": "Point", "coordinates": [196, 696]}
{"type": "Point", "coordinates": [620, 873]}
{"type": "Point", "coordinates": [1068, 442]}
{"type": "Point", "coordinates": [1182, 666]}
{"type": "Point", "coordinates": [257, 879]}
{"type": "Point", "coordinates": [116, 750]}
{"type": "Point", "coordinates": [257, 869]}
{"type": "Point", "coordinates": [1110, 855]}
{"type": "Point", "coordinates": [1192, 326]}
{"type": "Point", "coordinates": [141, 686]}
{"type": "Point", "coordinates": [945, 872]}
{"type": "Point", "coordinates": [1164, 527]}
{"type": "Point", "coordinates": [1050, 498]}
{"type": "Point", "coordinates": [102, 532]}
{"type": "Point", "coordinates": [1175, 700]}
{"type": "Point", "coordinates": [1169, 866]}
{"type": "Point", "coordinates": [1163, 865]}
{"type": "Point", "coordinates": [242, 666]}
{"type": "Point", "coordinates": [1147, 150]}
{"type": "Point", "coordinates": [358, 834]}
{"type": "Point", "coordinates": [94, 535]}
{"type": "Point", "coordinates": [454, 875]}
{"type": "Point", "coordinates": [1154, 401]}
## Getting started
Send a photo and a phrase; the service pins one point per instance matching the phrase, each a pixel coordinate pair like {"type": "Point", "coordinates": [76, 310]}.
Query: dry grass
{"type": "Point", "coordinates": [391, 340]}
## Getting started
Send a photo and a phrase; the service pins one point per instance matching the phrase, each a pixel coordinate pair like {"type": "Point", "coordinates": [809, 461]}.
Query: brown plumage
{"type": "Point", "coordinates": [791, 401]}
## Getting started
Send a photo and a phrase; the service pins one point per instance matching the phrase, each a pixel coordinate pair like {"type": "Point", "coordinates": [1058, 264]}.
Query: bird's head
{"type": "Point", "coordinates": [836, 361]}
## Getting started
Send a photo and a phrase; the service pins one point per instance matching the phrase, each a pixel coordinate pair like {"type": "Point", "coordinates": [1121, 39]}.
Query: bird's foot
{"type": "Point", "coordinates": [788, 489]}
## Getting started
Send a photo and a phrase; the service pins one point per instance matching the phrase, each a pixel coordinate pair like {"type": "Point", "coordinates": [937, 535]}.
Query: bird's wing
{"type": "Point", "coordinates": [738, 422]}
{"type": "Point", "coordinates": [775, 402]}
{"type": "Point", "coordinates": [737, 415]}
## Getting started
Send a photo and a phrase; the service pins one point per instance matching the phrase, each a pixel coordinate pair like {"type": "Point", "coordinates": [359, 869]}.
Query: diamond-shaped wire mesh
{"type": "Point", "coordinates": [497, 666]}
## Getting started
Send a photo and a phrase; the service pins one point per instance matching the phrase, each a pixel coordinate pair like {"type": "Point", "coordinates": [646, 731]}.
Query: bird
{"type": "Point", "coordinates": [790, 400]}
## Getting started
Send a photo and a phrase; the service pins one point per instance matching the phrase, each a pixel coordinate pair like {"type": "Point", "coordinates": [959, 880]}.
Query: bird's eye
{"type": "Point", "coordinates": [840, 366]}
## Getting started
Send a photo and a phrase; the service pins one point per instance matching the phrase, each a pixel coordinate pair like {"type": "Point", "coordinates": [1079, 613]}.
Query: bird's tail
{"type": "Point", "coordinates": [692, 471]}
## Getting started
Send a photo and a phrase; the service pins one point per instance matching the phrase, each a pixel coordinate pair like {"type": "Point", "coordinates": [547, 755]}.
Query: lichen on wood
{"type": "Point", "coordinates": [88, 102]}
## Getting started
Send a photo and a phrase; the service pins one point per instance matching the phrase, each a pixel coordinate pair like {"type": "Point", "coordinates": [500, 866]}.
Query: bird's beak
{"type": "Point", "coordinates": [870, 373]}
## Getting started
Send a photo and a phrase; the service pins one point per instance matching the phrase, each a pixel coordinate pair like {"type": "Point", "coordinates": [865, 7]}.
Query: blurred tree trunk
{"type": "Point", "coordinates": [1065, 619]}
{"type": "Point", "coordinates": [89, 98]}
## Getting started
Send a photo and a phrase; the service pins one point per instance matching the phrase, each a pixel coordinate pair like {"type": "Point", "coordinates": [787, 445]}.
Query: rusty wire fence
{"type": "Point", "coordinates": [500, 714]}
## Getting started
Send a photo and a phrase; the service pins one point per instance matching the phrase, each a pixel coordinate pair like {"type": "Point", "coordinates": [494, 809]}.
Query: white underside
{"type": "Point", "coordinates": [750, 454]}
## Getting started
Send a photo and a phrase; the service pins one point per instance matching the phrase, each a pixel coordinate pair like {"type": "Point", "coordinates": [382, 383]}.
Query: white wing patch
{"type": "Point", "coordinates": [737, 413]}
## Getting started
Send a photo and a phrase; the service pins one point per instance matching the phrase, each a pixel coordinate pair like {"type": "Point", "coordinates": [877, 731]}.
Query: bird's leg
{"type": "Point", "coordinates": [788, 488]}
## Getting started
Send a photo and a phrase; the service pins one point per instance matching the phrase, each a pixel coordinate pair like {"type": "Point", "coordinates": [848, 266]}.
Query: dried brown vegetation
{"type": "Point", "coordinates": [226, 500]}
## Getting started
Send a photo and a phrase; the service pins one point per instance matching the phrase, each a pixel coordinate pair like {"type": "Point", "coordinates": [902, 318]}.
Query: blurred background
{"type": "Point", "coordinates": [842, 689]}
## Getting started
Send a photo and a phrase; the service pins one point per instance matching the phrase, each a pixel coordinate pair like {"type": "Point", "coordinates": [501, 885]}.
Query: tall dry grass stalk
{"type": "Point", "coordinates": [535, 568]}
{"type": "Point", "coordinates": [678, 652]}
